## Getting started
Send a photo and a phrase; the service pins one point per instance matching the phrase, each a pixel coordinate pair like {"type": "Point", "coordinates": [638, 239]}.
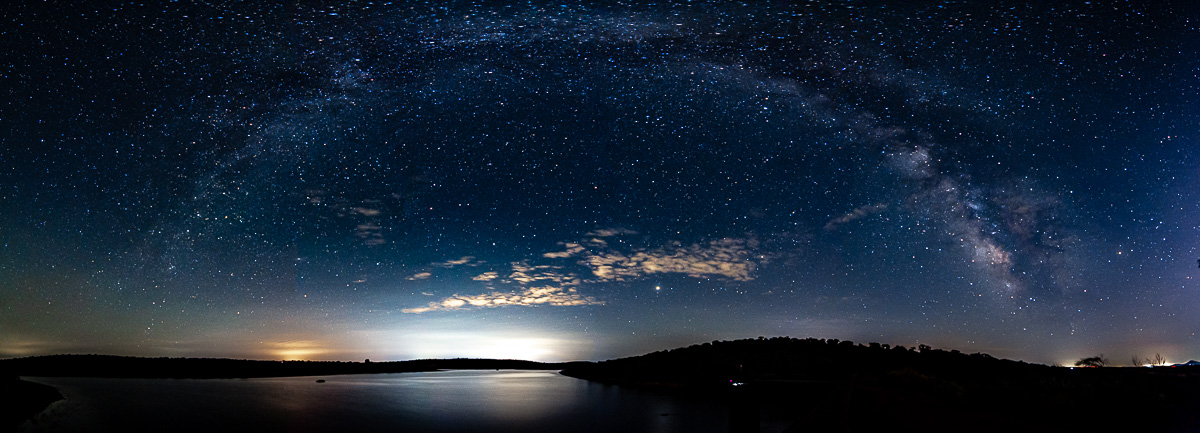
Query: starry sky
{"type": "Point", "coordinates": [565, 181]}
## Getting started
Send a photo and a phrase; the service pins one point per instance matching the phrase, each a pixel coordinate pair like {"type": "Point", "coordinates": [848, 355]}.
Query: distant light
{"type": "Point", "coordinates": [487, 343]}
{"type": "Point", "coordinates": [296, 350]}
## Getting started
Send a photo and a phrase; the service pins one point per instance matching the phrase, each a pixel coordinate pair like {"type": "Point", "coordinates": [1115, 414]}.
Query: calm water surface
{"type": "Point", "coordinates": [444, 401]}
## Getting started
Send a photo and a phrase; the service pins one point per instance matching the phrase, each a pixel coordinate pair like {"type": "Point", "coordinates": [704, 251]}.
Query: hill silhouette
{"type": "Point", "coordinates": [832, 385]}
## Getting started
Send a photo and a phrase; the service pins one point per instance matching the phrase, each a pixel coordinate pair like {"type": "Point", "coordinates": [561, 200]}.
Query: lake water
{"type": "Point", "coordinates": [444, 401]}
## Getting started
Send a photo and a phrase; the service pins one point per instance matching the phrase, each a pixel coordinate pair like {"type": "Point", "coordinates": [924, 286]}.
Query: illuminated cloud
{"type": "Point", "coordinates": [525, 274]}
{"type": "Point", "coordinates": [729, 258]}
{"type": "Point", "coordinates": [530, 296]}
{"type": "Point", "coordinates": [315, 196]}
{"type": "Point", "coordinates": [532, 285]}
{"type": "Point", "coordinates": [465, 260]}
{"type": "Point", "coordinates": [486, 276]}
{"type": "Point", "coordinates": [449, 264]}
{"type": "Point", "coordinates": [732, 258]}
{"type": "Point", "coordinates": [606, 233]}
{"type": "Point", "coordinates": [856, 214]}
{"type": "Point", "coordinates": [538, 284]}
{"type": "Point", "coordinates": [364, 211]}
{"type": "Point", "coordinates": [572, 249]}
{"type": "Point", "coordinates": [370, 233]}
{"type": "Point", "coordinates": [366, 214]}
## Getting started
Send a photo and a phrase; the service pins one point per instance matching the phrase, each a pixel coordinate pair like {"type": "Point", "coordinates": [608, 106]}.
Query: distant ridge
{"type": "Point", "coordinates": [212, 368]}
{"type": "Point", "coordinates": [789, 359]}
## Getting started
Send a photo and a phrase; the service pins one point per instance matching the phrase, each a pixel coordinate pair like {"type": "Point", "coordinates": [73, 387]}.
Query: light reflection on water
{"type": "Point", "coordinates": [446, 401]}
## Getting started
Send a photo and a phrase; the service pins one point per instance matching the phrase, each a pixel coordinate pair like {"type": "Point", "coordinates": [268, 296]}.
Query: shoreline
{"type": "Point", "coordinates": [28, 399]}
{"type": "Point", "coordinates": [105, 366]}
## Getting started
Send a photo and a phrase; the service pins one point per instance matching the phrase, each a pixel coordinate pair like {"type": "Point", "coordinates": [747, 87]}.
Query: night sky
{"type": "Point", "coordinates": [399, 180]}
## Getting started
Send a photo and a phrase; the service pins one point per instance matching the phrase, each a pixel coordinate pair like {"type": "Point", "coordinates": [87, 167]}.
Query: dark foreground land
{"type": "Point", "coordinates": [816, 385]}
{"type": "Point", "coordinates": [831, 385]}
{"type": "Point", "coordinates": [22, 400]}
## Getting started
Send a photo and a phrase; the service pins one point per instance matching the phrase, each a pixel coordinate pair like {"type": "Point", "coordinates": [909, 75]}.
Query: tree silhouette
{"type": "Point", "coordinates": [1092, 361]}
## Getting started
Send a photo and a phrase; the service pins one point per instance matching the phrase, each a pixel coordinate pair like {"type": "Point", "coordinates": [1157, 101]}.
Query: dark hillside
{"type": "Point", "coordinates": [842, 386]}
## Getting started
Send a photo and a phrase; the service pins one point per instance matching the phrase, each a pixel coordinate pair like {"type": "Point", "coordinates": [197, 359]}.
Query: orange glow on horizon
{"type": "Point", "coordinates": [296, 350]}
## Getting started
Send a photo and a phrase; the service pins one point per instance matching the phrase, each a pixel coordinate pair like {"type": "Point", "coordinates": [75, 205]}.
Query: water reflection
{"type": "Point", "coordinates": [448, 401]}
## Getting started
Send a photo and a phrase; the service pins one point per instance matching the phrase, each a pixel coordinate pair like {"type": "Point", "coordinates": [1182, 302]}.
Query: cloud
{"type": "Point", "coordinates": [370, 233]}
{"type": "Point", "coordinates": [732, 258]}
{"type": "Point", "coordinates": [728, 258]}
{"type": "Point", "coordinates": [486, 276]}
{"type": "Point", "coordinates": [364, 211]}
{"type": "Point", "coordinates": [605, 233]}
{"type": "Point", "coordinates": [315, 196]}
{"type": "Point", "coordinates": [540, 284]}
{"type": "Point", "coordinates": [449, 264]}
{"type": "Point", "coordinates": [572, 249]}
{"type": "Point", "coordinates": [856, 214]}
{"type": "Point", "coordinates": [529, 296]}
{"type": "Point", "coordinates": [367, 227]}
{"type": "Point", "coordinates": [523, 273]}
{"type": "Point", "coordinates": [531, 285]}
{"type": "Point", "coordinates": [464, 260]}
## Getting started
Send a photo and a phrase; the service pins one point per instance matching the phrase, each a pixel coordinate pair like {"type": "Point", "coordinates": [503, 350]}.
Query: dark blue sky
{"type": "Point", "coordinates": [396, 180]}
